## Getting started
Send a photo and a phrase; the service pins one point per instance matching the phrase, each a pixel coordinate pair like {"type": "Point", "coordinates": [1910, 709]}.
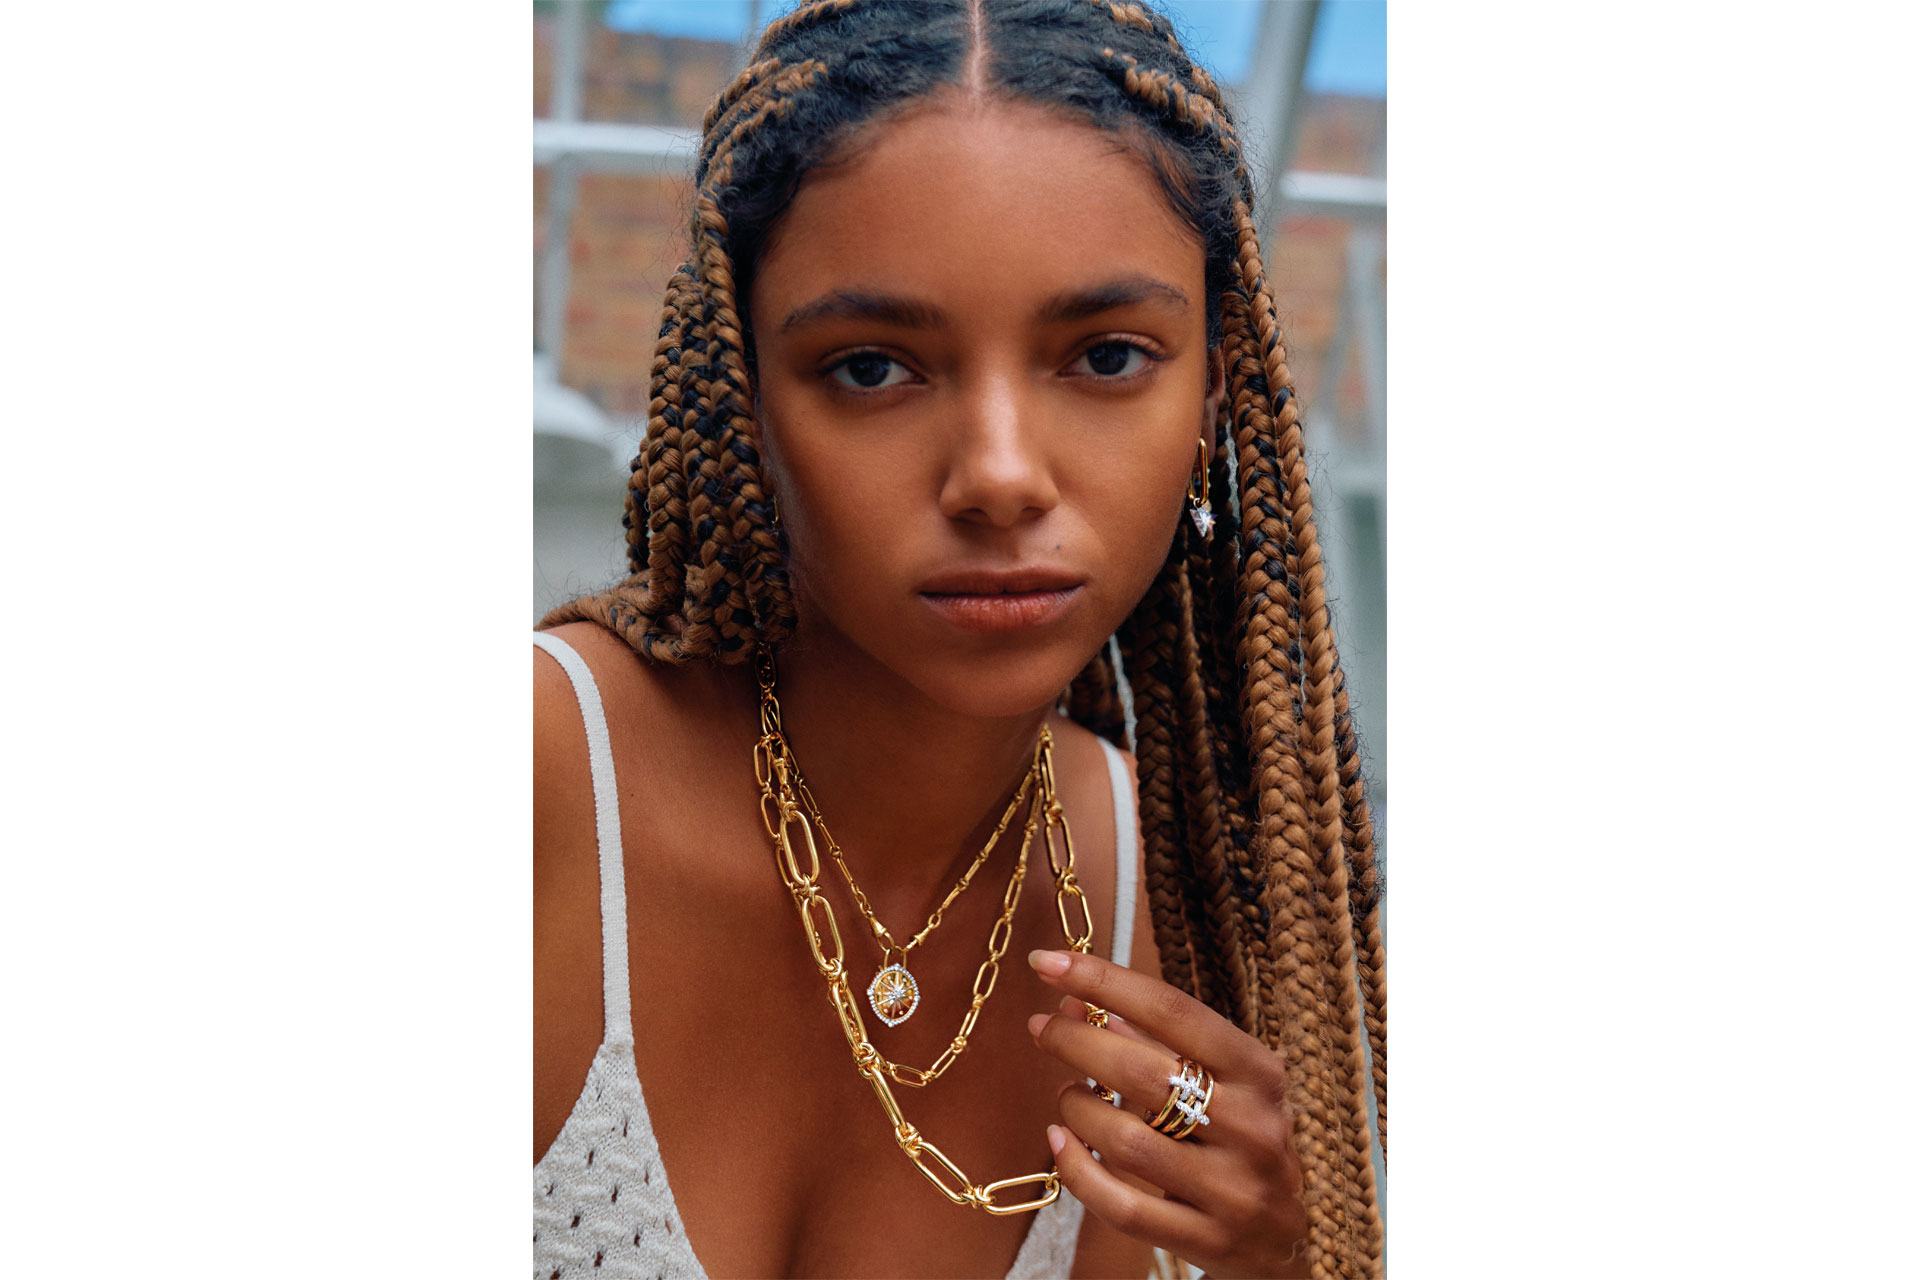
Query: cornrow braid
{"type": "Point", "coordinates": [801, 19]}
{"type": "Point", "coordinates": [1142, 19]}
{"type": "Point", "coordinates": [753, 75]}
{"type": "Point", "coordinates": [1260, 869]}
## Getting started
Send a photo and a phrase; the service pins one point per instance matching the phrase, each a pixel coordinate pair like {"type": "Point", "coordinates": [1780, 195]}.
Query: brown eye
{"type": "Point", "coordinates": [867, 371]}
{"type": "Point", "coordinates": [1115, 359]}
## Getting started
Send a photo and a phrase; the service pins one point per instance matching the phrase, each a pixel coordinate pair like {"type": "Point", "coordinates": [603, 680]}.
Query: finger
{"type": "Point", "coordinates": [1076, 1010]}
{"type": "Point", "coordinates": [1183, 1170]}
{"type": "Point", "coordinates": [1177, 1228]}
{"type": "Point", "coordinates": [1074, 1007]}
{"type": "Point", "coordinates": [1123, 1065]}
{"type": "Point", "coordinates": [1165, 1012]}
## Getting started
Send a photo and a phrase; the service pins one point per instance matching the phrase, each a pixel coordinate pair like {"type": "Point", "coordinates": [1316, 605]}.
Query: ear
{"type": "Point", "coordinates": [1216, 388]}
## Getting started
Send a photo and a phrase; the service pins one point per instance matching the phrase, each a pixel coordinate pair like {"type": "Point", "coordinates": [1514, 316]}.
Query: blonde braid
{"type": "Point", "coordinates": [1343, 1118]}
{"type": "Point", "coordinates": [706, 489]}
{"type": "Point", "coordinates": [1205, 833]}
{"type": "Point", "coordinates": [1289, 706]}
{"type": "Point", "coordinates": [657, 526]}
{"type": "Point", "coordinates": [1163, 850]}
{"type": "Point", "coordinates": [1358, 823]}
{"type": "Point", "coordinates": [767, 599]}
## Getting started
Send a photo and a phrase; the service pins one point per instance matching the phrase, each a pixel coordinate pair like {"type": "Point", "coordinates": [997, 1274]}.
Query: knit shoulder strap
{"type": "Point", "coordinates": [606, 822]}
{"type": "Point", "coordinates": [1126, 852]}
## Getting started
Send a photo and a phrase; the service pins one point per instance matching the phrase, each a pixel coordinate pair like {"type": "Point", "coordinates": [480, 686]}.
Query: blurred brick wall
{"type": "Point", "coordinates": [1307, 257]}
{"type": "Point", "coordinates": [629, 233]}
{"type": "Point", "coordinates": [638, 77]}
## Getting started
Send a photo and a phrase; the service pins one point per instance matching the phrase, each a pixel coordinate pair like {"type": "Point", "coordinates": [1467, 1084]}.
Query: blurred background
{"type": "Point", "coordinates": [619, 90]}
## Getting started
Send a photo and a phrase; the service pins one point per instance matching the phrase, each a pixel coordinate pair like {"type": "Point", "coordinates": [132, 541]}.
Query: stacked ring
{"type": "Point", "coordinates": [1186, 1106]}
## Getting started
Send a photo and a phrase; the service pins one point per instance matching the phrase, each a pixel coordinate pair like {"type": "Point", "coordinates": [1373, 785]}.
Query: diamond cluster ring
{"type": "Point", "coordinates": [1186, 1106]}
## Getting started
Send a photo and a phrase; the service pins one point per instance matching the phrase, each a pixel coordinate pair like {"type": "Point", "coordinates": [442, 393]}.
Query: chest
{"type": "Point", "coordinates": [781, 1158]}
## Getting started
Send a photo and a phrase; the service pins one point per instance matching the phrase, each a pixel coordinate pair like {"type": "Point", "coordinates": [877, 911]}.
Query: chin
{"type": "Point", "coordinates": [1000, 682]}
{"type": "Point", "coordinates": [986, 676]}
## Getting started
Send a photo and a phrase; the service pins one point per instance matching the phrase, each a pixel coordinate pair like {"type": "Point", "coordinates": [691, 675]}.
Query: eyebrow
{"type": "Point", "coordinates": [861, 304]}
{"type": "Point", "coordinates": [911, 313]}
{"type": "Point", "coordinates": [1126, 291]}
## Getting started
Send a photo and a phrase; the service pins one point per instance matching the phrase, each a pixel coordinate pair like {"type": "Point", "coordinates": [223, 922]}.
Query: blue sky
{"type": "Point", "coordinates": [1349, 41]}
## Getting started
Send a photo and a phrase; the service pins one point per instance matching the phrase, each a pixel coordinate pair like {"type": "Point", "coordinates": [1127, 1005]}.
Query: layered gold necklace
{"type": "Point", "coordinates": [784, 804]}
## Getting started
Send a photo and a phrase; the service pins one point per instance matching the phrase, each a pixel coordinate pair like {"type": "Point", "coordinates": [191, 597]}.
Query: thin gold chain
{"type": "Point", "coordinates": [997, 941]}
{"type": "Point", "coordinates": [881, 934]}
{"type": "Point", "coordinates": [780, 809]}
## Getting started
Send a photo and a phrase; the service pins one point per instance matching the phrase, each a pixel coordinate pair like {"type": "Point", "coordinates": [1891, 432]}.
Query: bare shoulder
{"type": "Point", "coordinates": [561, 779]}
{"type": "Point", "coordinates": [568, 1018]}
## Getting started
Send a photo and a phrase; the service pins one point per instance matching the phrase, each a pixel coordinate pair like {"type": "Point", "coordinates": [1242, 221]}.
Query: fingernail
{"type": "Point", "coordinates": [1036, 1024]}
{"type": "Point", "coordinates": [1051, 963]}
{"type": "Point", "coordinates": [1055, 1138]}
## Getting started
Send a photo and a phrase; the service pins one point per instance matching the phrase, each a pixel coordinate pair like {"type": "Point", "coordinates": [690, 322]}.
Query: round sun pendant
{"type": "Point", "coordinates": [893, 994]}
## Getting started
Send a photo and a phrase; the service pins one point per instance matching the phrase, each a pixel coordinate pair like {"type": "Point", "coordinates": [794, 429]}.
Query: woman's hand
{"type": "Point", "coordinates": [1232, 1187]}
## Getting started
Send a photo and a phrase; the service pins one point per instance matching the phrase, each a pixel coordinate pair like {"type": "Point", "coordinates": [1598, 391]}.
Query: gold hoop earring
{"type": "Point", "coordinates": [1197, 505]}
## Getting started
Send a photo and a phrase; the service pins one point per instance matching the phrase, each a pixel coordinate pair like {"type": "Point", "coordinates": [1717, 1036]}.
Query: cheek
{"type": "Point", "coordinates": [842, 512]}
{"type": "Point", "coordinates": [1134, 510]}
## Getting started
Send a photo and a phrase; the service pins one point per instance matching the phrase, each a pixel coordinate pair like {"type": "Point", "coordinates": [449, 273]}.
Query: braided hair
{"type": "Point", "coordinates": [1260, 869]}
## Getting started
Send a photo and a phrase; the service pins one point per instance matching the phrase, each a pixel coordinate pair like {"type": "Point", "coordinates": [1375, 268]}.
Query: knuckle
{"type": "Point", "coordinates": [1285, 1214]}
{"type": "Point", "coordinates": [1170, 1004]}
{"type": "Point", "coordinates": [1098, 975]}
{"type": "Point", "coordinates": [1123, 1215]}
{"type": "Point", "coordinates": [1273, 1127]}
{"type": "Point", "coordinates": [1133, 1148]}
{"type": "Point", "coordinates": [1238, 1210]}
{"type": "Point", "coordinates": [1216, 1239]}
{"type": "Point", "coordinates": [1149, 1082]}
{"type": "Point", "coordinates": [1273, 1082]}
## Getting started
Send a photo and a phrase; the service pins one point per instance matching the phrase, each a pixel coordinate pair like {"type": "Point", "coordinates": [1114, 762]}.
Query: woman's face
{"type": "Point", "coordinates": [981, 344]}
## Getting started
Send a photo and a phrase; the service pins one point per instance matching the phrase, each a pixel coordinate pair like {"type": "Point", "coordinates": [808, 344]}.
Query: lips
{"type": "Point", "coordinates": [999, 582]}
{"type": "Point", "coordinates": [1002, 599]}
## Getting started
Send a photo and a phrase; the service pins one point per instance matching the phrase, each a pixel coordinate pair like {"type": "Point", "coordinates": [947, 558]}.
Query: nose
{"type": "Point", "coordinates": [999, 469]}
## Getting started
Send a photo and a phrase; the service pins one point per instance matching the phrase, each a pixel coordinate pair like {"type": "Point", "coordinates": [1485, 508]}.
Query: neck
{"type": "Point", "coordinates": [910, 790]}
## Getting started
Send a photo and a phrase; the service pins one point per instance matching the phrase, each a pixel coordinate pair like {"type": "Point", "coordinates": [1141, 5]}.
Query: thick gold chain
{"type": "Point", "coordinates": [997, 940]}
{"type": "Point", "coordinates": [780, 808]}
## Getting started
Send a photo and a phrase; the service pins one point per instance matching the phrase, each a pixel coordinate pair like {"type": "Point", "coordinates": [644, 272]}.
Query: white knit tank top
{"type": "Point", "coordinates": [602, 1205]}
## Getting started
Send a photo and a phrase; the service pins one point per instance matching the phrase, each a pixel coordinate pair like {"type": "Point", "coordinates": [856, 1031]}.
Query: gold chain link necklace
{"type": "Point", "coordinates": [894, 992]}
{"type": "Point", "coordinates": [780, 808]}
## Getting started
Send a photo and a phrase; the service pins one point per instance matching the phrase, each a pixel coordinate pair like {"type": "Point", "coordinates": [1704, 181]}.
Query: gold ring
{"type": "Point", "coordinates": [1190, 1090]}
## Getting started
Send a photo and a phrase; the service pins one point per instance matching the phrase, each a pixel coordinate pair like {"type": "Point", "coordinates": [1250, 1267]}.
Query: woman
{"type": "Point", "coordinates": [972, 346]}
